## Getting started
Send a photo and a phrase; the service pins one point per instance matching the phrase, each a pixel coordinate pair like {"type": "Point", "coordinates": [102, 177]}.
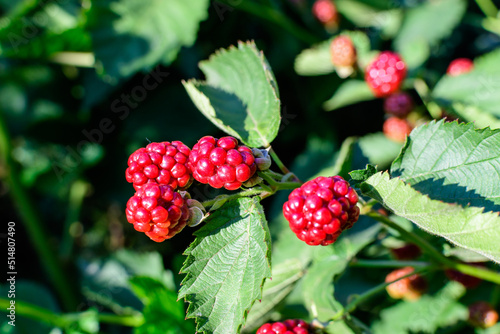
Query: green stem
{"type": "Point", "coordinates": [387, 263]}
{"type": "Point", "coordinates": [76, 195]}
{"type": "Point", "coordinates": [275, 17]}
{"type": "Point", "coordinates": [427, 248]}
{"type": "Point", "coordinates": [370, 293]}
{"type": "Point", "coordinates": [62, 320]}
{"type": "Point", "coordinates": [488, 7]}
{"type": "Point", "coordinates": [281, 165]}
{"type": "Point", "coordinates": [244, 193]}
{"type": "Point", "coordinates": [424, 92]}
{"type": "Point", "coordinates": [33, 224]}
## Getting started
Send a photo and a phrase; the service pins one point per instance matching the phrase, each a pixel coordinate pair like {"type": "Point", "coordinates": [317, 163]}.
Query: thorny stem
{"type": "Point", "coordinates": [280, 164]}
{"type": "Point", "coordinates": [370, 293]}
{"type": "Point", "coordinates": [427, 248]}
{"type": "Point", "coordinates": [33, 224]}
{"type": "Point", "coordinates": [64, 320]}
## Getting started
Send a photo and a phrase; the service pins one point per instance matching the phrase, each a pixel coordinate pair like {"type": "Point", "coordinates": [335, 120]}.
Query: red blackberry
{"type": "Point", "coordinates": [385, 74]}
{"type": "Point", "coordinates": [409, 288]}
{"type": "Point", "coordinates": [158, 211]}
{"type": "Point", "coordinates": [222, 162]}
{"type": "Point", "coordinates": [459, 66]}
{"type": "Point", "coordinates": [398, 104]}
{"type": "Point", "coordinates": [321, 209]}
{"type": "Point", "coordinates": [295, 326]}
{"type": "Point", "coordinates": [482, 315]}
{"type": "Point", "coordinates": [165, 163]}
{"type": "Point", "coordinates": [325, 12]}
{"type": "Point", "coordinates": [397, 129]}
{"type": "Point", "coordinates": [343, 52]}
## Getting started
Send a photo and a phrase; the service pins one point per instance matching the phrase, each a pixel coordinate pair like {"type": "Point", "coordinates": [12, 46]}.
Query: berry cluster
{"type": "Point", "coordinates": [321, 209]}
{"type": "Point", "coordinates": [482, 315]}
{"type": "Point", "coordinates": [325, 12]}
{"type": "Point", "coordinates": [222, 162]}
{"type": "Point", "coordinates": [160, 170]}
{"type": "Point", "coordinates": [385, 74]}
{"type": "Point", "coordinates": [409, 288]}
{"type": "Point", "coordinates": [158, 211]}
{"type": "Point", "coordinates": [286, 327]}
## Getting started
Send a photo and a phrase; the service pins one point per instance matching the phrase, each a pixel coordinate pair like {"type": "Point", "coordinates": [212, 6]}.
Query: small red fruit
{"type": "Point", "coordinates": [409, 288]}
{"type": "Point", "coordinates": [406, 252]}
{"type": "Point", "coordinates": [385, 74]}
{"type": "Point", "coordinates": [343, 52]}
{"type": "Point", "coordinates": [459, 66]}
{"type": "Point", "coordinates": [325, 12]}
{"type": "Point", "coordinates": [158, 211]}
{"type": "Point", "coordinates": [164, 163]}
{"type": "Point", "coordinates": [398, 104]}
{"type": "Point", "coordinates": [469, 282]}
{"type": "Point", "coordinates": [321, 209]}
{"type": "Point", "coordinates": [482, 315]}
{"type": "Point", "coordinates": [397, 129]}
{"type": "Point", "coordinates": [295, 326]}
{"type": "Point", "coordinates": [222, 162]}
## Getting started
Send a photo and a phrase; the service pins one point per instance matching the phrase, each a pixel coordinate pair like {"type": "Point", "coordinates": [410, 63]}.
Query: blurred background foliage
{"type": "Point", "coordinates": [111, 71]}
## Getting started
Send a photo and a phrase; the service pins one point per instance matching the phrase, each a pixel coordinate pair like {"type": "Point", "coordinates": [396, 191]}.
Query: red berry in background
{"type": "Point", "coordinates": [343, 52]}
{"type": "Point", "coordinates": [397, 129]}
{"type": "Point", "coordinates": [406, 252]}
{"type": "Point", "coordinates": [409, 288]}
{"type": "Point", "coordinates": [158, 211]}
{"type": "Point", "coordinates": [398, 104]}
{"type": "Point", "coordinates": [385, 74]}
{"type": "Point", "coordinates": [325, 12]}
{"type": "Point", "coordinates": [222, 162]}
{"type": "Point", "coordinates": [164, 163]}
{"type": "Point", "coordinates": [459, 66]}
{"type": "Point", "coordinates": [482, 315]}
{"type": "Point", "coordinates": [321, 209]}
{"type": "Point", "coordinates": [469, 282]}
{"type": "Point", "coordinates": [295, 326]}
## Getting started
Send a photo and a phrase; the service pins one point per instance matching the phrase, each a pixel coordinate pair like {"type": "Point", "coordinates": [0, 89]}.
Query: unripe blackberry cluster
{"type": "Point", "coordinates": [342, 51]}
{"type": "Point", "coordinates": [222, 162]}
{"type": "Point", "coordinates": [409, 288]}
{"type": "Point", "coordinates": [397, 129]}
{"type": "Point", "coordinates": [459, 66]}
{"type": "Point", "coordinates": [326, 12]}
{"type": "Point", "coordinates": [163, 162]}
{"type": "Point", "coordinates": [321, 209]}
{"type": "Point", "coordinates": [385, 74]}
{"type": "Point", "coordinates": [158, 211]}
{"type": "Point", "coordinates": [286, 327]}
{"type": "Point", "coordinates": [482, 315]}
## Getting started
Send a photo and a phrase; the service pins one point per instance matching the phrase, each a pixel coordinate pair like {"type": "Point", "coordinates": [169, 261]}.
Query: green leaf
{"type": "Point", "coordinates": [425, 315]}
{"type": "Point", "coordinates": [284, 277]}
{"type": "Point", "coordinates": [162, 312]}
{"type": "Point", "coordinates": [364, 16]}
{"type": "Point", "coordinates": [467, 227]}
{"type": "Point", "coordinates": [315, 60]}
{"type": "Point", "coordinates": [239, 95]}
{"type": "Point", "coordinates": [361, 175]}
{"type": "Point", "coordinates": [330, 262]}
{"type": "Point", "coordinates": [478, 88]}
{"type": "Point", "coordinates": [424, 26]}
{"type": "Point", "coordinates": [129, 36]}
{"type": "Point", "coordinates": [349, 92]}
{"type": "Point", "coordinates": [226, 266]}
{"type": "Point", "coordinates": [454, 163]}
